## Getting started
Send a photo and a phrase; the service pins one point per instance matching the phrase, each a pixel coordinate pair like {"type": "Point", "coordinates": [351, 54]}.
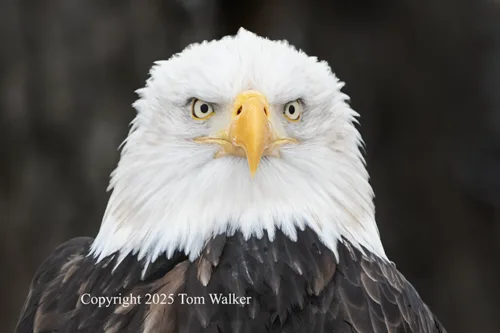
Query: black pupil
{"type": "Point", "coordinates": [291, 109]}
{"type": "Point", "coordinates": [204, 108]}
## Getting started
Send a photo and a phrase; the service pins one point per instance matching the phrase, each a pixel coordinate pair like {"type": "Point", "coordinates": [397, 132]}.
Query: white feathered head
{"type": "Point", "coordinates": [242, 133]}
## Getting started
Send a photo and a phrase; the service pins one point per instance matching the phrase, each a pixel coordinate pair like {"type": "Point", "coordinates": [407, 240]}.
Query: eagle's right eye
{"type": "Point", "coordinates": [201, 110]}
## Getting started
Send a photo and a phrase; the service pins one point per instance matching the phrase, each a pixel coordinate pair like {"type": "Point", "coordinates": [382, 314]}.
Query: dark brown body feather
{"type": "Point", "coordinates": [290, 286]}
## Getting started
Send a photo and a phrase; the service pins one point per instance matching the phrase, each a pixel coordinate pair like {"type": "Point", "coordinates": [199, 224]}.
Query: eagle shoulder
{"type": "Point", "coordinates": [374, 296]}
{"type": "Point", "coordinates": [57, 268]}
{"type": "Point", "coordinates": [66, 284]}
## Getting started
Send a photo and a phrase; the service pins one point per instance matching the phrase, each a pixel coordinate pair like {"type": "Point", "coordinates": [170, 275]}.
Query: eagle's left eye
{"type": "Point", "coordinates": [201, 110]}
{"type": "Point", "coordinates": [293, 110]}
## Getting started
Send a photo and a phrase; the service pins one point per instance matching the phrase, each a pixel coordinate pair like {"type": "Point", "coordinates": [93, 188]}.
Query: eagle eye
{"type": "Point", "coordinates": [293, 110]}
{"type": "Point", "coordinates": [201, 110]}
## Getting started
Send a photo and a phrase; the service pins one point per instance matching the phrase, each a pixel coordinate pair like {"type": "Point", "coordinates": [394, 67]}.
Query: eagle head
{"type": "Point", "coordinates": [238, 134]}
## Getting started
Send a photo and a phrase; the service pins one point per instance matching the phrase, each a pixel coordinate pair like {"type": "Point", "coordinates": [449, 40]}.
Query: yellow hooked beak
{"type": "Point", "coordinates": [250, 128]}
{"type": "Point", "coordinates": [250, 133]}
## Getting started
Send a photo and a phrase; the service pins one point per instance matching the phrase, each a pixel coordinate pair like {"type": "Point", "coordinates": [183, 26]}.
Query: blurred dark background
{"type": "Point", "coordinates": [424, 74]}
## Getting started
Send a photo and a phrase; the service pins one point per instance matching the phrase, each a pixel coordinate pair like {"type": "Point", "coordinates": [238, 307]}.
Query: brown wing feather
{"type": "Point", "coordinates": [58, 267]}
{"type": "Point", "coordinates": [54, 302]}
{"type": "Point", "coordinates": [299, 287]}
{"type": "Point", "coordinates": [375, 297]}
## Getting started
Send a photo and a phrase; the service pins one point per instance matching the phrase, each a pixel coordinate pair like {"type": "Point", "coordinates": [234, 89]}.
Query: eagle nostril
{"type": "Point", "coordinates": [265, 111]}
{"type": "Point", "coordinates": [239, 111]}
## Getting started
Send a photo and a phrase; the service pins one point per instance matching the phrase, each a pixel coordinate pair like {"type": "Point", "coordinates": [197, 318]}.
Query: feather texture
{"type": "Point", "coordinates": [285, 285]}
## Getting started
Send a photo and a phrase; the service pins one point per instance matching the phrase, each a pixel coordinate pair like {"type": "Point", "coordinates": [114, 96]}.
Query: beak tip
{"type": "Point", "coordinates": [253, 171]}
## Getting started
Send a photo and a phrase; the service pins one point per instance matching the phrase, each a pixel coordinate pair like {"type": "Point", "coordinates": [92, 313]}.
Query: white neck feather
{"type": "Point", "coordinates": [164, 200]}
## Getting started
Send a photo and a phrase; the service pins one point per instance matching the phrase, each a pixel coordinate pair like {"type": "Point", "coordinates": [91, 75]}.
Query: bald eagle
{"type": "Point", "coordinates": [241, 203]}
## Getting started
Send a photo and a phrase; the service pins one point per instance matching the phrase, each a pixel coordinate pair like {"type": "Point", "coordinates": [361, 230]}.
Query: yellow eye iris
{"type": "Point", "coordinates": [293, 110]}
{"type": "Point", "coordinates": [201, 110]}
